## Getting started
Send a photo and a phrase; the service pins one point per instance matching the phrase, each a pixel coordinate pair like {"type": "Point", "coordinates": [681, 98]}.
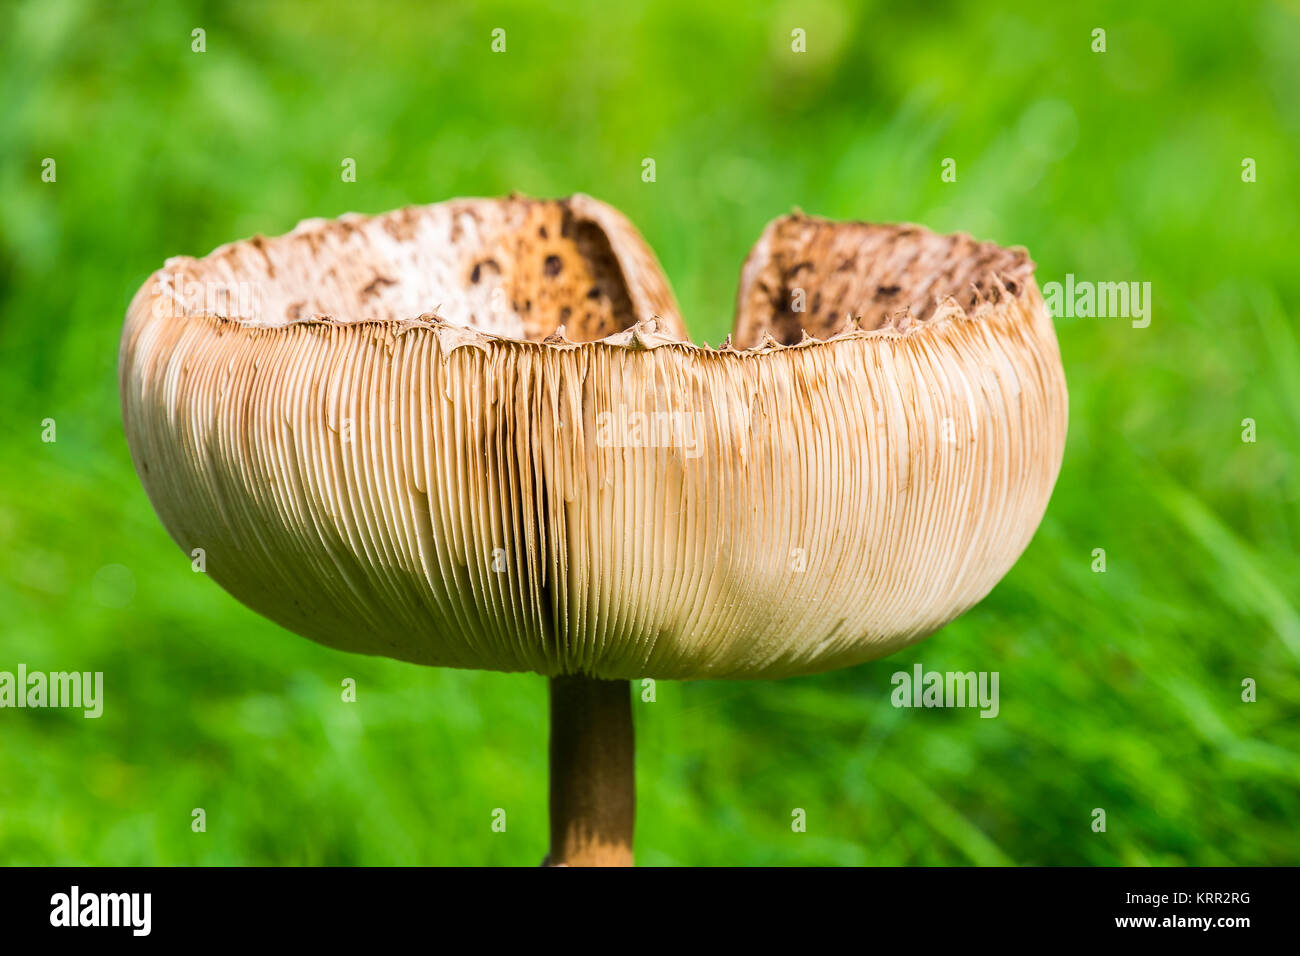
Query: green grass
{"type": "Point", "coordinates": [1119, 691]}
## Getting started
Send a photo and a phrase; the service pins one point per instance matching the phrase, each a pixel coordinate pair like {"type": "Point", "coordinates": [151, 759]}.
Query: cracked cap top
{"type": "Point", "coordinates": [475, 434]}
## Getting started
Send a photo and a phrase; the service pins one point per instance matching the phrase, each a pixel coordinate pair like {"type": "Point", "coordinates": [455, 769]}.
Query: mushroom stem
{"type": "Point", "coordinates": [593, 776]}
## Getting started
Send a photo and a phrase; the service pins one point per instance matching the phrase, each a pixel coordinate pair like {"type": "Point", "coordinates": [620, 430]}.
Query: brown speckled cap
{"type": "Point", "coordinates": [475, 434]}
{"type": "Point", "coordinates": [850, 275]}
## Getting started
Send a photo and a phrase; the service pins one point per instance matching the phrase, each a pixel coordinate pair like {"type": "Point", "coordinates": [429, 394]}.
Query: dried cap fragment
{"type": "Point", "coordinates": [816, 277]}
{"type": "Point", "coordinates": [542, 473]}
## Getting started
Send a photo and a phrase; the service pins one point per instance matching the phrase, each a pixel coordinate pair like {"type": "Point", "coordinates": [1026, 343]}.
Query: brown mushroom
{"type": "Point", "coordinates": [474, 434]}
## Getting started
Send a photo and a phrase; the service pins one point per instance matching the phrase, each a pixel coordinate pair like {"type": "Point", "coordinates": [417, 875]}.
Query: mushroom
{"type": "Point", "coordinates": [475, 434]}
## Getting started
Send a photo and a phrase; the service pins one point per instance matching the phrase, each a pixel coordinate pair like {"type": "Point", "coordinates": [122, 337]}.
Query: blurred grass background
{"type": "Point", "coordinates": [1119, 691]}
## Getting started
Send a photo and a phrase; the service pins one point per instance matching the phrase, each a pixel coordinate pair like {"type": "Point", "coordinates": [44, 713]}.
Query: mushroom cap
{"type": "Point", "coordinates": [474, 434]}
